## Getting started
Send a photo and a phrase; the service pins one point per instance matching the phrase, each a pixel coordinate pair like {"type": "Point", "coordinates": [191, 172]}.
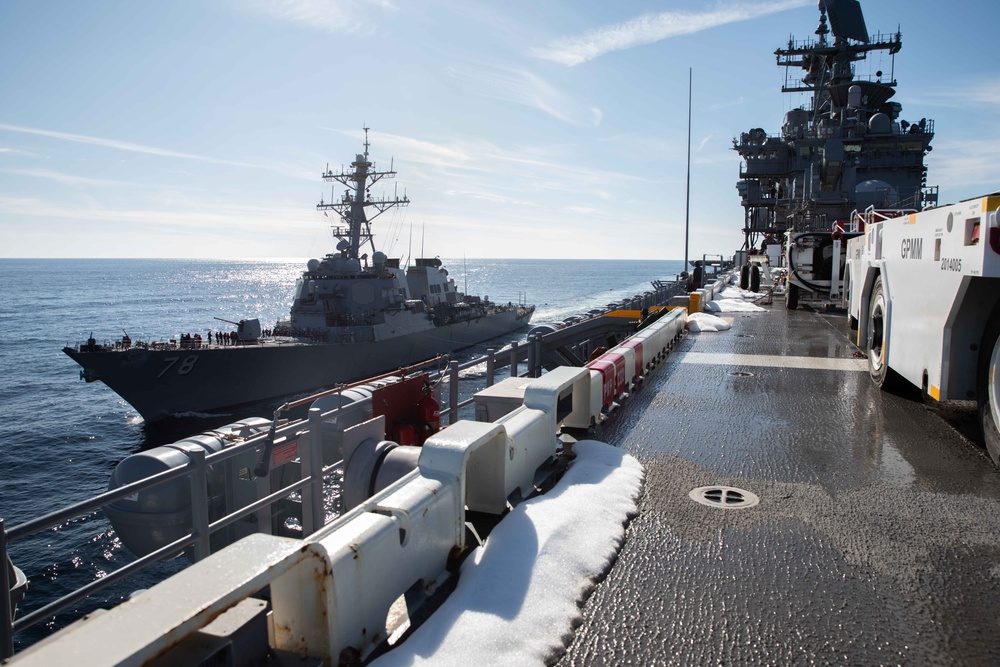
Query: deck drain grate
{"type": "Point", "coordinates": [723, 496]}
{"type": "Point", "coordinates": [741, 374]}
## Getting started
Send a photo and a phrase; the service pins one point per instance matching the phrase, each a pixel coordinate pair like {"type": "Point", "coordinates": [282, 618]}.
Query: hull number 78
{"type": "Point", "coordinates": [187, 365]}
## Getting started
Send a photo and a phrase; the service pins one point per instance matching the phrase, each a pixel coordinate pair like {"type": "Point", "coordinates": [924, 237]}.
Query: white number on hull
{"type": "Point", "coordinates": [186, 366]}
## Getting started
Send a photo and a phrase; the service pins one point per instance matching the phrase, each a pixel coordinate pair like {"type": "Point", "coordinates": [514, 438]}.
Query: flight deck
{"type": "Point", "coordinates": [875, 538]}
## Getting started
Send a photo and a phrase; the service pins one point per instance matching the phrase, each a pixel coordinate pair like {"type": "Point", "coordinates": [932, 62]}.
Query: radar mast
{"type": "Point", "coordinates": [356, 228]}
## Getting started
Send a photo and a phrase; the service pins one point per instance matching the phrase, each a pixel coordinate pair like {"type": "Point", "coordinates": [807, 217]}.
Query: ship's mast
{"type": "Point", "coordinates": [845, 148]}
{"type": "Point", "coordinates": [356, 199]}
{"type": "Point", "coordinates": [828, 66]}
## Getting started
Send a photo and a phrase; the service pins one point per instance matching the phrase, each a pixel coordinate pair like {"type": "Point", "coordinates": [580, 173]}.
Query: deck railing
{"type": "Point", "coordinates": [524, 360]}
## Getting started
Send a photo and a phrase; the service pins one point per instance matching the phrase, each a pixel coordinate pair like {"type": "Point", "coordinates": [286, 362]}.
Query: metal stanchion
{"type": "Point", "coordinates": [313, 515]}
{"type": "Point", "coordinates": [453, 392]}
{"type": "Point", "coordinates": [199, 505]}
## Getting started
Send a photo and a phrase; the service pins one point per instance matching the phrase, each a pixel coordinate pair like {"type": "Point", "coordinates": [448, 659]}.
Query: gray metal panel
{"type": "Point", "coordinates": [846, 19]}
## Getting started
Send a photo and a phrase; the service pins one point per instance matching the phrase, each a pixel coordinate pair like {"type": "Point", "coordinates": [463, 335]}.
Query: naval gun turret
{"type": "Point", "coordinates": [845, 148]}
{"type": "Point", "coordinates": [248, 331]}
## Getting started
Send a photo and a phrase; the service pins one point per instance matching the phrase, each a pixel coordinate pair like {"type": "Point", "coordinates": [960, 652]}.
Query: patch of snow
{"type": "Point", "coordinates": [516, 602]}
{"type": "Point", "coordinates": [732, 299]}
{"type": "Point", "coordinates": [700, 322]}
{"type": "Point", "coordinates": [732, 306]}
{"type": "Point", "coordinates": [737, 293]}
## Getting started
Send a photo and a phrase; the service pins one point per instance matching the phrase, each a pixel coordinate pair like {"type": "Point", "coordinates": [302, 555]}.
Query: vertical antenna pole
{"type": "Point", "coordinates": [687, 201]}
{"type": "Point", "coordinates": [892, 75]}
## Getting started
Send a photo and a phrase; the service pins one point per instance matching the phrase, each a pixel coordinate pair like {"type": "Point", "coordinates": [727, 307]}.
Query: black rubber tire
{"type": "Point", "coordinates": [745, 276]}
{"type": "Point", "coordinates": [791, 297]}
{"type": "Point", "coordinates": [988, 386]}
{"type": "Point", "coordinates": [876, 346]}
{"type": "Point", "coordinates": [754, 278]}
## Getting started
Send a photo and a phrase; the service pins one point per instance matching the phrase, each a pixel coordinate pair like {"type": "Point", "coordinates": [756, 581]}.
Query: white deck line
{"type": "Point", "coordinates": [775, 361]}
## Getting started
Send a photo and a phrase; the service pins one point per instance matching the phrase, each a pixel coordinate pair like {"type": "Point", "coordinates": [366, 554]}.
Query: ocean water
{"type": "Point", "coordinates": [60, 438]}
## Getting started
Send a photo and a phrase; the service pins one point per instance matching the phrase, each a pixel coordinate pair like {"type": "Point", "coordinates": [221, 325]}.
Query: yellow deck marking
{"type": "Point", "coordinates": [775, 361]}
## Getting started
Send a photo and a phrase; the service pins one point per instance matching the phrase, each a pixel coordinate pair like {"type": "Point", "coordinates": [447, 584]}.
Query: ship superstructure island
{"type": "Point", "coordinates": [846, 149]}
{"type": "Point", "coordinates": [353, 316]}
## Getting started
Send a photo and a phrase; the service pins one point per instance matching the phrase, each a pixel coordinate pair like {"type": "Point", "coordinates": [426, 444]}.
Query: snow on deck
{"type": "Point", "coordinates": [516, 601]}
{"type": "Point", "coordinates": [698, 322]}
{"type": "Point", "coordinates": [734, 300]}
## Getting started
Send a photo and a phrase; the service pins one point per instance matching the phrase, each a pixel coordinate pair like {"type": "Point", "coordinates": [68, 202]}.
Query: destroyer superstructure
{"type": "Point", "coordinates": [847, 148]}
{"type": "Point", "coordinates": [353, 315]}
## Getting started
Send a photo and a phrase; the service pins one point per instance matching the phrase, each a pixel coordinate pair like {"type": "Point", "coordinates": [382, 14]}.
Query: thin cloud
{"type": "Point", "coordinates": [199, 217]}
{"type": "Point", "coordinates": [18, 151]}
{"type": "Point", "coordinates": [728, 105]}
{"type": "Point", "coordinates": [482, 156]}
{"type": "Point", "coordinates": [650, 28]}
{"type": "Point", "coordinates": [511, 84]}
{"type": "Point", "coordinates": [65, 179]}
{"type": "Point", "coordinates": [984, 92]}
{"type": "Point", "coordinates": [118, 145]}
{"type": "Point", "coordinates": [325, 15]}
{"type": "Point", "coordinates": [964, 168]}
{"type": "Point", "coordinates": [484, 179]}
{"type": "Point", "coordinates": [490, 197]}
{"type": "Point", "coordinates": [418, 150]}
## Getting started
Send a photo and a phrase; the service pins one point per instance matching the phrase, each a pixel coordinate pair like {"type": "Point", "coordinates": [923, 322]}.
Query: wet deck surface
{"type": "Point", "coordinates": [877, 536]}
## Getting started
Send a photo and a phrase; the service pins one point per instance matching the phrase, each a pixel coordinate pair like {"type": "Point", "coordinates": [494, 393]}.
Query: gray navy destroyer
{"type": "Point", "coordinates": [350, 319]}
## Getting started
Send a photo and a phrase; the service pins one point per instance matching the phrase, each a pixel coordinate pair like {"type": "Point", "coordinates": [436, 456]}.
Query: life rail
{"type": "Point", "coordinates": [563, 397]}
{"type": "Point", "coordinates": [616, 372]}
{"type": "Point", "coordinates": [332, 591]}
{"type": "Point", "coordinates": [862, 219]}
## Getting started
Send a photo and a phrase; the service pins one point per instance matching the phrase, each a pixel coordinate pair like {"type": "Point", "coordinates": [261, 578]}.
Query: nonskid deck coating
{"type": "Point", "coordinates": [875, 540]}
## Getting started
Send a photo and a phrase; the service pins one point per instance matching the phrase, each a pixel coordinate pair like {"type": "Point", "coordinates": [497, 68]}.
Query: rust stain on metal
{"type": "Point", "coordinates": [299, 643]}
{"type": "Point", "coordinates": [322, 577]}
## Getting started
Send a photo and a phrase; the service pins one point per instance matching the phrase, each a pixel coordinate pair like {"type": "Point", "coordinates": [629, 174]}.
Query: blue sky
{"type": "Point", "coordinates": [519, 129]}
